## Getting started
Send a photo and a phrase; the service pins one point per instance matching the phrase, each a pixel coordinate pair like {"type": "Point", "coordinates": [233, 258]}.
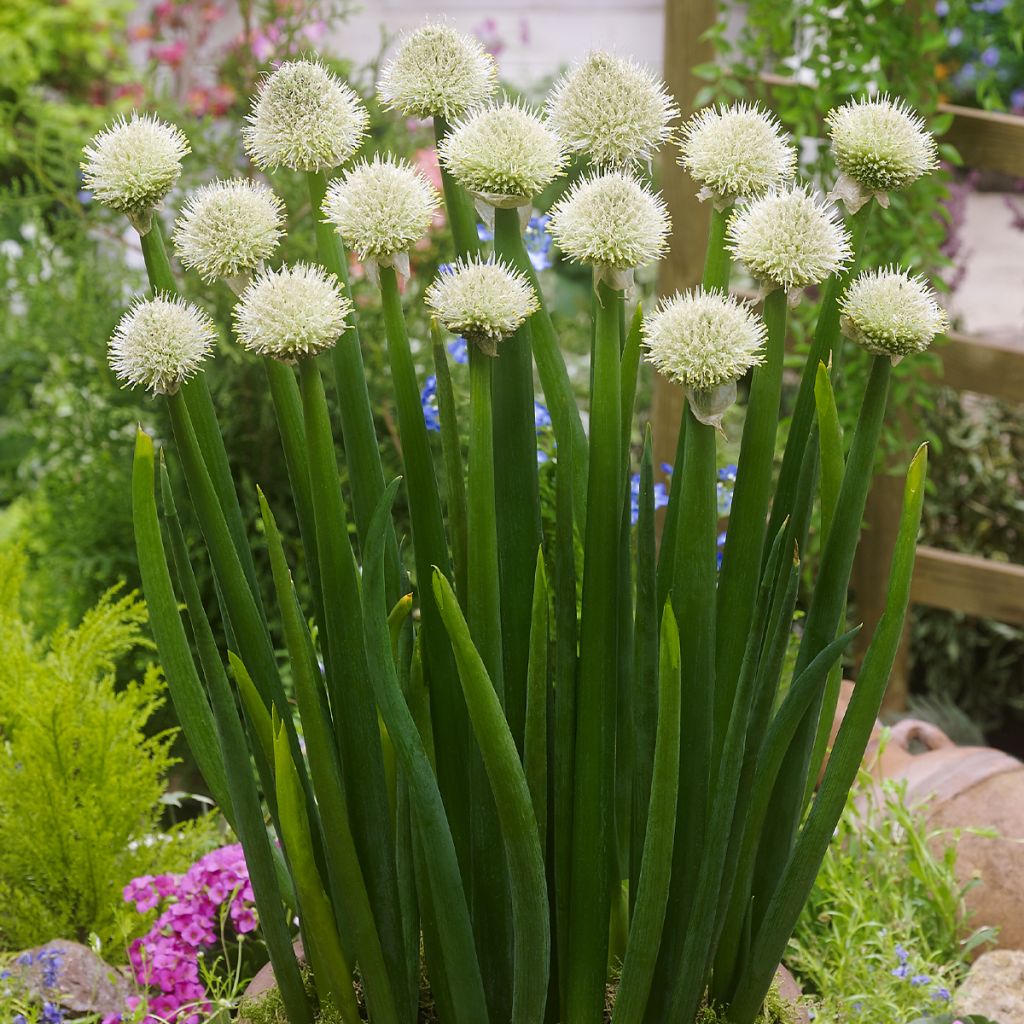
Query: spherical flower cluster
{"type": "Point", "coordinates": [304, 118]}
{"type": "Point", "coordinates": [891, 312]}
{"type": "Point", "coordinates": [437, 72]}
{"type": "Point", "coordinates": [160, 343]}
{"type": "Point", "coordinates": [131, 165]}
{"type": "Point", "coordinates": [226, 229]}
{"type": "Point", "coordinates": [611, 221]}
{"type": "Point", "coordinates": [880, 146]}
{"type": "Point", "coordinates": [789, 240]}
{"type": "Point", "coordinates": [291, 313]}
{"type": "Point", "coordinates": [611, 109]}
{"type": "Point", "coordinates": [215, 891]}
{"type": "Point", "coordinates": [483, 300]}
{"type": "Point", "coordinates": [381, 207]}
{"type": "Point", "coordinates": [737, 152]}
{"type": "Point", "coordinates": [504, 153]}
{"type": "Point", "coordinates": [703, 339]}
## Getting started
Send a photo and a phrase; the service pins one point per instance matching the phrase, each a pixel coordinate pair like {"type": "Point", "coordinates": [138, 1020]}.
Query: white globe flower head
{"type": "Point", "coordinates": [880, 146]}
{"type": "Point", "coordinates": [483, 300]}
{"type": "Point", "coordinates": [788, 239]}
{"type": "Point", "coordinates": [160, 343]}
{"type": "Point", "coordinates": [611, 109]}
{"type": "Point", "coordinates": [304, 118]}
{"type": "Point", "coordinates": [227, 228]}
{"type": "Point", "coordinates": [381, 208]}
{"type": "Point", "coordinates": [437, 71]}
{"type": "Point", "coordinates": [291, 313]}
{"type": "Point", "coordinates": [891, 313]}
{"type": "Point", "coordinates": [504, 154]}
{"type": "Point", "coordinates": [613, 222]}
{"type": "Point", "coordinates": [736, 152]}
{"type": "Point", "coordinates": [132, 164]}
{"type": "Point", "coordinates": [705, 341]}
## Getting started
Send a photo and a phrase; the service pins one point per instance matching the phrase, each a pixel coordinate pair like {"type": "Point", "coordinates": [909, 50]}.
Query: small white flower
{"type": "Point", "coordinates": [304, 118]}
{"type": "Point", "coordinates": [160, 343]}
{"type": "Point", "coordinates": [227, 228]}
{"type": "Point", "coordinates": [381, 208]}
{"type": "Point", "coordinates": [611, 109]}
{"type": "Point", "coordinates": [705, 341]}
{"type": "Point", "coordinates": [292, 312]}
{"type": "Point", "coordinates": [504, 154]}
{"type": "Point", "coordinates": [891, 313]}
{"type": "Point", "coordinates": [611, 221]}
{"type": "Point", "coordinates": [789, 239]}
{"type": "Point", "coordinates": [437, 72]}
{"type": "Point", "coordinates": [483, 300]}
{"type": "Point", "coordinates": [880, 146]}
{"type": "Point", "coordinates": [736, 152]}
{"type": "Point", "coordinates": [132, 164]}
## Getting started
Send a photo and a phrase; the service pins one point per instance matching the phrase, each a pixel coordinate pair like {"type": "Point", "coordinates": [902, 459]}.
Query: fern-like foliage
{"type": "Point", "coordinates": [80, 779]}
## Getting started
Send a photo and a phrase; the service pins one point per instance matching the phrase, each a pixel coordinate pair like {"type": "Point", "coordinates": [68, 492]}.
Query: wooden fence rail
{"type": "Point", "coordinates": [988, 366]}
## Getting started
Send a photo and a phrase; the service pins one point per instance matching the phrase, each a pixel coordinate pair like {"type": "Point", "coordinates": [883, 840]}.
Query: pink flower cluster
{"type": "Point", "coordinates": [215, 891]}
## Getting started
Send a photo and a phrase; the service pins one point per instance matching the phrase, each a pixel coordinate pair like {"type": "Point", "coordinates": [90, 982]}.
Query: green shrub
{"type": "Point", "coordinates": [80, 781]}
{"type": "Point", "coordinates": [880, 938]}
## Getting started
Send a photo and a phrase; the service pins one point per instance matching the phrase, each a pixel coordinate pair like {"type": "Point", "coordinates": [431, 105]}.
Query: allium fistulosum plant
{"type": "Point", "coordinates": [555, 796]}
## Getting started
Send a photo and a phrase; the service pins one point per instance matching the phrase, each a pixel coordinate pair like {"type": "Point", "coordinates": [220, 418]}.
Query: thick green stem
{"type": "Point", "coordinates": [737, 583]}
{"type": "Point", "coordinates": [349, 688]}
{"type": "Point", "coordinates": [595, 704]}
{"type": "Point", "coordinates": [517, 496]}
{"type": "Point", "coordinates": [362, 454]}
{"type": "Point", "coordinates": [458, 203]}
{"type": "Point", "coordinates": [693, 600]}
{"type": "Point", "coordinates": [430, 546]}
{"type": "Point", "coordinates": [717, 263]}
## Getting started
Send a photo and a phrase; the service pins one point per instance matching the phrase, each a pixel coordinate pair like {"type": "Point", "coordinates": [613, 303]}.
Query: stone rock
{"type": "Point", "coordinates": [85, 983]}
{"type": "Point", "coordinates": [263, 980]}
{"type": "Point", "coordinates": [994, 987]}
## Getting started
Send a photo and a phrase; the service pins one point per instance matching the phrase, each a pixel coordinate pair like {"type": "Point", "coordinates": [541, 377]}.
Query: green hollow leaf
{"type": "Point", "coordinates": [535, 745]}
{"type": "Point", "coordinates": [652, 897]}
{"type": "Point", "coordinates": [447, 898]}
{"type": "Point", "coordinates": [257, 711]}
{"type": "Point", "coordinates": [830, 434]}
{"type": "Point", "coordinates": [812, 843]}
{"type": "Point", "coordinates": [528, 883]}
{"type": "Point", "coordinates": [320, 933]}
{"type": "Point", "coordinates": [629, 374]}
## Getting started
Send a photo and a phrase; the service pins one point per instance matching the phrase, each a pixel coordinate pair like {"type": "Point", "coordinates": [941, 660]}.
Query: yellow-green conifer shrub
{"type": "Point", "coordinates": [80, 778]}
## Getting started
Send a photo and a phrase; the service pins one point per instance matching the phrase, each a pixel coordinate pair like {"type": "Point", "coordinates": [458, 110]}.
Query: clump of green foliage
{"type": "Point", "coordinates": [881, 936]}
{"type": "Point", "coordinates": [81, 782]}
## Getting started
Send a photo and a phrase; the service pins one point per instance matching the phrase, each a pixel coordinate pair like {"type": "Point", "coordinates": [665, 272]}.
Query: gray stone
{"type": "Point", "coordinates": [85, 983]}
{"type": "Point", "coordinates": [994, 987]}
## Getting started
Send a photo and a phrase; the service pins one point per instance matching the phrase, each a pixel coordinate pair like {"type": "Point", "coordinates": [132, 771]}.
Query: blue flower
{"type": "Point", "coordinates": [990, 56]}
{"type": "Point", "coordinates": [660, 497]}
{"type": "Point", "coordinates": [459, 350]}
{"type": "Point", "coordinates": [541, 417]}
{"type": "Point", "coordinates": [955, 36]}
{"type": "Point", "coordinates": [942, 994]}
{"type": "Point", "coordinates": [484, 233]}
{"type": "Point", "coordinates": [19, 1018]}
{"type": "Point", "coordinates": [902, 971]}
{"type": "Point", "coordinates": [942, 8]}
{"type": "Point", "coordinates": [919, 979]}
{"type": "Point", "coordinates": [428, 399]}
{"type": "Point", "coordinates": [52, 1014]}
{"type": "Point", "coordinates": [1017, 99]}
{"type": "Point", "coordinates": [720, 548]}
{"type": "Point", "coordinates": [901, 954]}
{"type": "Point", "coordinates": [988, 6]}
{"type": "Point", "coordinates": [538, 242]}
{"type": "Point", "coordinates": [542, 457]}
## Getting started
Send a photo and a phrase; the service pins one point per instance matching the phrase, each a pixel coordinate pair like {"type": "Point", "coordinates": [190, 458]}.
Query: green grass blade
{"type": "Point", "coordinates": [528, 883]}
{"type": "Point", "coordinates": [241, 788]}
{"type": "Point", "coordinates": [796, 881]}
{"type": "Point", "coordinates": [652, 897]}
{"type": "Point", "coordinates": [535, 743]}
{"type": "Point", "coordinates": [447, 895]}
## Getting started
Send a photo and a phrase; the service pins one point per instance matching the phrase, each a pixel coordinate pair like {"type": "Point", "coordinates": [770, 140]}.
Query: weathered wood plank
{"type": "Point", "coordinates": [985, 139]}
{"type": "Point", "coordinates": [984, 365]}
{"type": "Point", "coordinates": [969, 584]}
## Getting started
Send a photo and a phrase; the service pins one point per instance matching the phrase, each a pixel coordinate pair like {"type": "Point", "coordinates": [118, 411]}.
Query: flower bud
{"type": "Point", "coordinates": [291, 313]}
{"type": "Point", "coordinates": [304, 118]}
{"type": "Point", "coordinates": [611, 109]}
{"type": "Point", "coordinates": [437, 72]}
{"type": "Point", "coordinates": [891, 313]}
{"type": "Point", "coordinates": [131, 165]}
{"type": "Point", "coordinates": [160, 343]}
{"type": "Point", "coordinates": [485, 301]}
{"type": "Point", "coordinates": [226, 229]}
